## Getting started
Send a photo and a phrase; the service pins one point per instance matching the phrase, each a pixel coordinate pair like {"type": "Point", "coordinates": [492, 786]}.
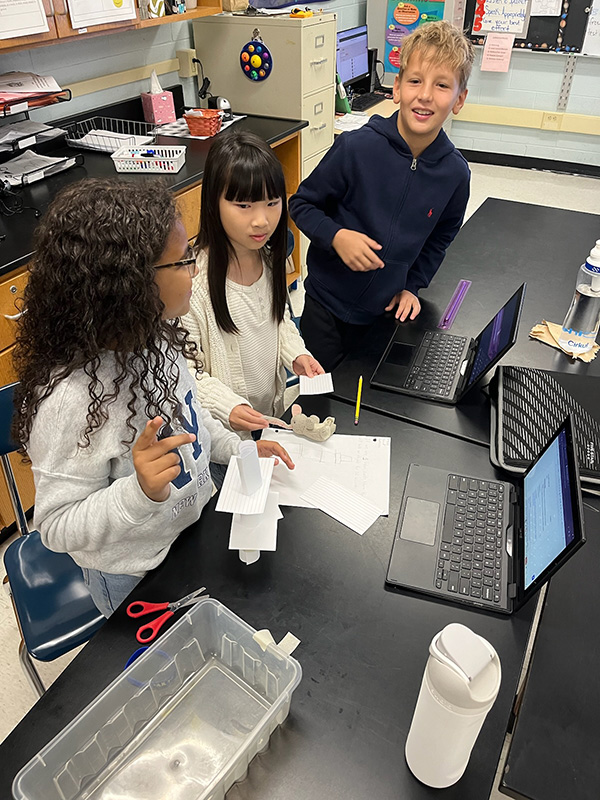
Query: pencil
{"type": "Point", "coordinates": [358, 396]}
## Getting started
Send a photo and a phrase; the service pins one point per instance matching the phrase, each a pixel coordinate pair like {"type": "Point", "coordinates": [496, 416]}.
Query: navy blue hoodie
{"type": "Point", "coordinates": [370, 182]}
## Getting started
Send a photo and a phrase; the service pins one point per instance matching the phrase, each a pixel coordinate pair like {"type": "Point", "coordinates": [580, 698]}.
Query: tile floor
{"type": "Point", "coordinates": [563, 191]}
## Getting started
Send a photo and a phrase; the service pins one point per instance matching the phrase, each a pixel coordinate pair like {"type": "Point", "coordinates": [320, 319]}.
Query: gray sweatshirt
{"type": "Point", "coordinates": [88, 500]}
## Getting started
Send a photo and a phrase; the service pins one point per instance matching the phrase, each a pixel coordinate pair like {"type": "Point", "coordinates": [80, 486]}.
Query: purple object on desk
{"type": "Point", "coordinates": [454, 305]}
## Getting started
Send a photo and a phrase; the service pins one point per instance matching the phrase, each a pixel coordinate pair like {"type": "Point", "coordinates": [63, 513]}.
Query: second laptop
{"type": "Point", "coordinates": [443, 367]}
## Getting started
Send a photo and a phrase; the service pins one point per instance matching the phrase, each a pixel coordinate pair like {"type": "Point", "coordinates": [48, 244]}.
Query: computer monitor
{"type": "Point", "coordinates": [352, 55]}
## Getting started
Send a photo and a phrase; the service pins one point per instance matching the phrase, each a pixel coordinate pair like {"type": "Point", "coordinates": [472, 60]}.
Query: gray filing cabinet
{"type": "Point", "coordinates": [301, 84]}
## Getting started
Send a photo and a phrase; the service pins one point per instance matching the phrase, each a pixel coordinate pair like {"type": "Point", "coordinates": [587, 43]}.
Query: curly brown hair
{"type": "Point", "coordinates": [91, 290]}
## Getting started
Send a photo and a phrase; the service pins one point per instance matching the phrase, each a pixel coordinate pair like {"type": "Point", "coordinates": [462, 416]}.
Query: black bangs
{"type": "Point", "coordinates": [253, 177]}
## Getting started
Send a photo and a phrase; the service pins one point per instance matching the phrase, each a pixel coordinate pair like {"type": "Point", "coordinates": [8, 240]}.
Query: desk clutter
{"type": "Point", "coordinates": [31, 167]}
{"type": "Point", "coordinates": [346, 477]}
{"type": "Point", "coordinates": [187, 126]}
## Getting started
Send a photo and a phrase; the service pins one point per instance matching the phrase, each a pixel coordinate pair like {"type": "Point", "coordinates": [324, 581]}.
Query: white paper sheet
{"type": "Point", "coordinates": [360, 463]}
{"type": "Point", "coordinates": [342, 504]}
{"type": "Point", "coordinates": [233, 500]}
{"type": "Point", "coordinates": [591, 41]}
{"type": "Point", "coordinates": [350, 122]}
{"type": "Point", "coordinates": [256, 531]}
{"type": "Point", "coordinates": [85, 13]}
{"type": "Point", "coordinates": [23, 18]}
{"type": "Point", "coordinates": [545, 8]}
{"type": "Point", "coordinates": [320, 384]}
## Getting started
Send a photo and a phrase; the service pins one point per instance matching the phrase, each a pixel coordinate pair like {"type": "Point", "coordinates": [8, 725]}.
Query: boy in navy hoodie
{"type": "Point", "coordinates": [385, 202]}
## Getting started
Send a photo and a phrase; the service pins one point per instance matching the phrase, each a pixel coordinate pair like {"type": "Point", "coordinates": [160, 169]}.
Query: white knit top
{"type": "Point", "coordinates": [250, 308]}
{"type": "Point", "coordinates": [222, 383]}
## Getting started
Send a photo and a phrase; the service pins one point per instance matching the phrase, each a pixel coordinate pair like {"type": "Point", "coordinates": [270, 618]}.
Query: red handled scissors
{"type": "Point", "coordinates": [150, 631]}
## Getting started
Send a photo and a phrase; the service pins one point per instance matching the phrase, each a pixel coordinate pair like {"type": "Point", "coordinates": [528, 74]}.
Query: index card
{"type": "Point", "coordinates": [342, 504]}
{"type": "Point", "coordinates": [320, 384]}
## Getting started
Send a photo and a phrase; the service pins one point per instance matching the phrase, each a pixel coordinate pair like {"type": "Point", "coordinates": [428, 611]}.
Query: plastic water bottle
{"type": "Point", "coordinates": [460, 685]}
{"type": "Point", "coordinates": [580, 327]}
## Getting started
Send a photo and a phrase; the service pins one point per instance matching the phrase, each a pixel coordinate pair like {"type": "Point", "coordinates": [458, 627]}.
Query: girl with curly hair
{"type": "Point", "coordinates": [238, 314]}
{"type": "Point", "coordinates": [106, 407]}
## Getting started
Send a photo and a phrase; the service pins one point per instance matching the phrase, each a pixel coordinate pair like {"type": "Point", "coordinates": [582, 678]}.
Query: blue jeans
{"type": "Point", "coordinates": [108, 590]}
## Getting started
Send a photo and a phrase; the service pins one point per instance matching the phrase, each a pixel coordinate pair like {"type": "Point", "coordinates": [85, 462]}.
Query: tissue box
{"type": "Point", "coordinates": [158, 108]}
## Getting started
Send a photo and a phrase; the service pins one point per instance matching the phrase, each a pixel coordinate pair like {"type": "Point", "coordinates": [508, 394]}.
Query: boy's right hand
{"type": "Point", "coordinates": [245, 418]}
{"type": "Point", "coordinates": [357, 250]}
{"type": "Point", "coordinates": [156, 461]}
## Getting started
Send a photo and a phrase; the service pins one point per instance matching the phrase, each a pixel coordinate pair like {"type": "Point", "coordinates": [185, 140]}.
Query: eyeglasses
{"type": "Point", "coordinates": [189, 261]}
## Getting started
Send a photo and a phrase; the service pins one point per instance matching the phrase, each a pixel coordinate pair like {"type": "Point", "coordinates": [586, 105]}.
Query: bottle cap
{"type": "Point", "coordinates": [462, 650]}
{"type": "Point", "coordinates": [592, 263]}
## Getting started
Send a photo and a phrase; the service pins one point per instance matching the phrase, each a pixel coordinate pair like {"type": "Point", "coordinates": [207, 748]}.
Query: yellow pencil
{"type": "Point", "coordinates": [358, 396]}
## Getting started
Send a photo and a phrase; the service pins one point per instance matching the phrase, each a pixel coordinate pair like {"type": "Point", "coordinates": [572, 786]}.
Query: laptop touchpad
{"type": "Point", "coordinates": [420, 521]}
{"type": "Point", "coordinates": [400, 354]}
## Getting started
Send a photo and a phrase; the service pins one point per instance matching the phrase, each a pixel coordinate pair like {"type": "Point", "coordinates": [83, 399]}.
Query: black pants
{"type": "Point", "coordinates": [326, 336]}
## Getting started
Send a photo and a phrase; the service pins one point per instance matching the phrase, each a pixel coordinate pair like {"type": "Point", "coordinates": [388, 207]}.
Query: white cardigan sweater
{"type": "Point", "coordinates": [221, 385]}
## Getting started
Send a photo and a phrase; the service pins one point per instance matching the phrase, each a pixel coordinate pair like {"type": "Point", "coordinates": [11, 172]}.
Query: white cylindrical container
{"type": "Point", "coordinates": [460, 685]}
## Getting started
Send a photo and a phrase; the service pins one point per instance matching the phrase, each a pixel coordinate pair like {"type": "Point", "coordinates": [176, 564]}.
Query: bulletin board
{"type": "Point", "coordinates": [401, 19]}
{"type": "Point", "coordinates": [561, 33]}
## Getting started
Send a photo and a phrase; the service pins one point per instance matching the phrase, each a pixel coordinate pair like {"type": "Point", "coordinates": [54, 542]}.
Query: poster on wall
{"type": "Point", "coordinates": [402, 19]}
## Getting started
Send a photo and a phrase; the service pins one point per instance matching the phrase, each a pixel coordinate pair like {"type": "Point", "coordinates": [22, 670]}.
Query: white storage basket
{"type": "Point", "coordinates": [151, 158]}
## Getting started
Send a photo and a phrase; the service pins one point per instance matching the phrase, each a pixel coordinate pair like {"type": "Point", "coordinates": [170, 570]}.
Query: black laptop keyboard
{"type": "Point", "coordinates": [436, 364]}
{"type": "Point", "coordinates": [361, 102]}
{"type": "Point", "coordinates": [470, 555]}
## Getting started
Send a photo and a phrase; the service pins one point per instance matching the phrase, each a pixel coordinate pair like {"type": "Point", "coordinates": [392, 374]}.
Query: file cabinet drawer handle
{"type": "Point", "coordinates": [319, 127]}
{"type": "Point", "coordinates": [318, 61]}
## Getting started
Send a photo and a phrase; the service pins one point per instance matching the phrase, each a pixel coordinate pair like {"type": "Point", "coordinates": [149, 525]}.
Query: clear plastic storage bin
{"type": "Point", "coordinates": [182, 722]}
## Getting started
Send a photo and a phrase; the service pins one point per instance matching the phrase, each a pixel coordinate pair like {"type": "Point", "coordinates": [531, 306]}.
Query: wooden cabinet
{"type": "Point", "coordinates": [65, 30]}
{"type": "Point", "coordinates": [11, 290]}
{"type": "Point", "coordinates": [60, 28]}
{"type": "Point", "coordinates": [188, 204]}
{"type": "Point", "coordinates": [23, 42]}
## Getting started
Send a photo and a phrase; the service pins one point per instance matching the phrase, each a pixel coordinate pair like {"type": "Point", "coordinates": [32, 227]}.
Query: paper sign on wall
{"type": "Point", "coordinates": [546, 8]}
{"type": "Point", "coordinates": [497, 51]}
{"type": "Point", "coordinates": [591, 43]}
{"type": "Point", "coordinates": [501, 16]}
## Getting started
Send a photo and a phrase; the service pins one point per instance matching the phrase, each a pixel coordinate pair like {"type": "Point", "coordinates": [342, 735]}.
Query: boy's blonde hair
{"type": "Point", "coordinates": [442, 43]}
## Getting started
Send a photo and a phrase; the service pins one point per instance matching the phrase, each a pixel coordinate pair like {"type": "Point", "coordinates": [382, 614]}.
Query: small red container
{"type": "Point", "coordinates": [204, 122]}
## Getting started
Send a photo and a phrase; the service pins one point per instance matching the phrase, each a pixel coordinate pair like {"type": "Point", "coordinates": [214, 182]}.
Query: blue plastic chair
{"type": "Point", "coordinates": [53, 607]}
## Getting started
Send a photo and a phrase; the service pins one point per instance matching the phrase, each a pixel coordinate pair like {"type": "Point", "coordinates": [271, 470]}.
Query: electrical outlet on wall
{"type": "Point", "coordinates": [187, 67]}
{"type": "Point", "coordinates": [551, 121]}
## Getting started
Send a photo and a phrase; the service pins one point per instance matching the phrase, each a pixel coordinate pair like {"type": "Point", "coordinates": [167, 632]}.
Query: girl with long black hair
{"type": "Point", "coordinates": [238, 312]}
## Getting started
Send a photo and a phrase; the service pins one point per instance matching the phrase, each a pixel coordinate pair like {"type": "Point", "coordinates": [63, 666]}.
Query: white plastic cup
{"type": "Point", "coordinates": [460, 684]}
